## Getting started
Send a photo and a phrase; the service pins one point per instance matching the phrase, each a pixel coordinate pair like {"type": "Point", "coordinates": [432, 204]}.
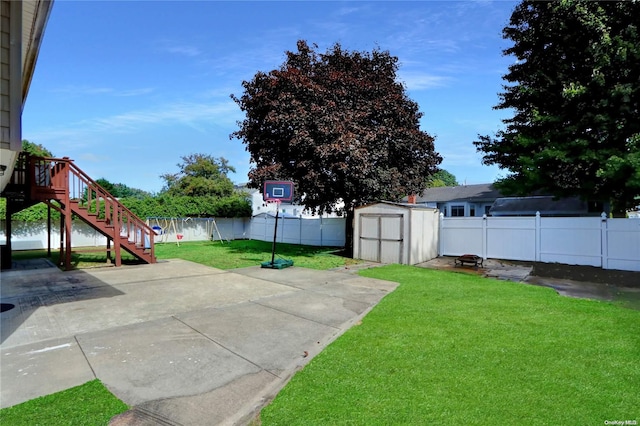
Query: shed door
{"type": "Point", "coordinates": [381, 237]}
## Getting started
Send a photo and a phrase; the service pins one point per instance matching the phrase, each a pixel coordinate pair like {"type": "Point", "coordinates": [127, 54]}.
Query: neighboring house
{"type": "Point", "coordinates": [546, 205]}
{"type": "Point", "coordinates": [259, 206]}
{"type": "Point", "coordinates": [634, 213]}
{"type": "Point", "coordinates": [21, 32]}
{"type": "Point", "coordinates": [460, 201]}
{"type": "Point", "coordinates": [485, 199]}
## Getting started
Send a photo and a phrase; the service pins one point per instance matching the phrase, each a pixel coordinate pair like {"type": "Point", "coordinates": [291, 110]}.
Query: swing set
{"type": "Point", "coordinates": [164, 227]}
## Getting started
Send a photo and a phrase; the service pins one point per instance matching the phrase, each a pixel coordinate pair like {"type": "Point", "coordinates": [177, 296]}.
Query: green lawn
{"type": "Point", "coordinates": [90, 404]}
{"type": "Point", "coordinates": [222, 255]}
{"type": "Point", "coordinates": [444, 347]}
{"type": "Point", "coordinates": [449, 348]}
{"type": "Point", "coordinates": [244, 253]}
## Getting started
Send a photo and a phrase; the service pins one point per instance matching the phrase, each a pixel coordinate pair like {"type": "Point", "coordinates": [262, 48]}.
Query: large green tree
{"type": "Point", "coordinates": [339, 125]}
{"type": "Point", "coordinates": [441, 178]}
{"type": "Point", "coordinates": [200, 175]}
{"type": "Point", "coordinates": [35, 149]}
{"type": "Point", "coordinates": [120, 190]}
{"type": "Point", "coordinates": [574, 89]}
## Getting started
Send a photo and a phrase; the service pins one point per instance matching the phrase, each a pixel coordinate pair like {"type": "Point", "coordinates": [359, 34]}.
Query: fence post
{"type": "Point", "coordinates": [440, 235]}
{"type": "Point", "coordinates": [538, 241]}
{"type": "Point", "coordinates": [484, 236]}
{"type": "Point", "coordinates": [604, 241]}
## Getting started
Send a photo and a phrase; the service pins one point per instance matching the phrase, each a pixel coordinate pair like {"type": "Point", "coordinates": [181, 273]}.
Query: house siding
{"type": "Point", "coordinates": [10, 75]}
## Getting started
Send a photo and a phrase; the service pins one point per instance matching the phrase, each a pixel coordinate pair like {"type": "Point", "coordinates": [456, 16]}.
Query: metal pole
{"type": "Point", "coordinates": [275, 234]}
{"type": "Point", "coordinates": [49, 230]}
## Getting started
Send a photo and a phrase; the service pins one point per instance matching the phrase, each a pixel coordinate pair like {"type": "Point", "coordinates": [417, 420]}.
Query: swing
{"type": "Point", "coordinates": [180, 235]}
{"type": "Point", "coordinates": [160, 231]}
{"type": "Point", "coordinates": [215, 227]}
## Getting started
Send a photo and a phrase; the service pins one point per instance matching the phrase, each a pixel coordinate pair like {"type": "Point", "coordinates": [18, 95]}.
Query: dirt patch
{"type": "Point", "coordinates": [591, 274]}
{"type": "Point", "coordinates": [568, 280]}
{"type": "Point", "coordinates": [589, 282]}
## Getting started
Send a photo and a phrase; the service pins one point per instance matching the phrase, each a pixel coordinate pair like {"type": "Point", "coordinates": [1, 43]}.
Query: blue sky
{"type": "Point", "coordinates": [127, 88]}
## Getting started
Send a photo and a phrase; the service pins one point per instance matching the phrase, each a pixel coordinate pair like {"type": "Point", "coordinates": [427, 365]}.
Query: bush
{"type": "Point", "coordinates": [205, 206]}
{"type": "Point", "coordinates": [159, 206]}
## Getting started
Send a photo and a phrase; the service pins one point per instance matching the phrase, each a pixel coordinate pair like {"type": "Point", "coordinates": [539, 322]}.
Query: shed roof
{"type": "Point", "coordinates": [484, 192]}
{"type": "Point", "coordinates": [402, 205]}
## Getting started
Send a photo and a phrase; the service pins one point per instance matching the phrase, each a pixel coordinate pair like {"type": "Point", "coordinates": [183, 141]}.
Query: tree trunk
{"type": "Point", "coordinates": [619, 208]}
{"type": "Point", "coordinates": [348, 231]}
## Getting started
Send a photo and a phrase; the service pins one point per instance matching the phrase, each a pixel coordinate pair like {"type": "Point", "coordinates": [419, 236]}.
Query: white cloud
{"type": "Point", "coordinates": [194, 115]}
{"type": "Point", "coordinates": [416, 80]}
{"type": "Point", "coordinates": [178, 48]}
{"type": "Point", "coordinates": [93, 158]}
{"type": "Point", "coordinates": [133, 92]}
{"type": "Point", "coordinates": [186, 113]}
{"type": "Point", "coordinates": [95, 91]}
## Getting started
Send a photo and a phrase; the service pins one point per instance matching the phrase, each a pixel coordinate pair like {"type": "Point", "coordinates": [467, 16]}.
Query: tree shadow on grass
{"type": "Point", "coordinates": [263, 248]}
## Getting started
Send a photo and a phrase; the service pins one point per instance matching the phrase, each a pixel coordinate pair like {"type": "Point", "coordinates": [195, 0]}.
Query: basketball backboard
{"type": "Point", "coordinates": [278, 190]}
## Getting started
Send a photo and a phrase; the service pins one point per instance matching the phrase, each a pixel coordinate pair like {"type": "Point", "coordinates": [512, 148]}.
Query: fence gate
{"type": "Point", "coordinates": [381, 237]}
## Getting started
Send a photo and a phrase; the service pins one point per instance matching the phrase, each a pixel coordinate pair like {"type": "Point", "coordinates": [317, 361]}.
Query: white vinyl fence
{"type": "Point", "coordinates": [33, 235]}
{"type": "Point", "coordinates": [327, 232]}
{"type": "Point", "coordinates": [316, 232]}
{"type": "Point", "coordinates": [594, 241]}
{"type": "Point", "coordinates": [198, 229]}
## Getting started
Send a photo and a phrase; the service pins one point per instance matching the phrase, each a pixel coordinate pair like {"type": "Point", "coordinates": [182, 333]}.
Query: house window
{"type": "Point", "coordinates": [472, 211]}
{"type": "Point", "coordinates": [486, 210]}
{"type": "Point", "coordinates": [457, 211]}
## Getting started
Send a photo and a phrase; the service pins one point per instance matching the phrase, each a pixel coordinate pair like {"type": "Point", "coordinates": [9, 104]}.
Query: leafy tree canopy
{"type": "Point", "coordinates": [156, 206]}
{"type": "Point", "coordinates": [200, 175]}
{"type": "Point", "coordinates": [339, 125]}
{"type": "Point", "coordinates": [184, 206]}
{"type": "Point", "coordinates": [441, 178]}
{"type": "Point", "coordinates": [35, 149]}
{"type": "Point", "coordinates": [575, 92]}
{"type": "Point", "coordinates": [120, 190]}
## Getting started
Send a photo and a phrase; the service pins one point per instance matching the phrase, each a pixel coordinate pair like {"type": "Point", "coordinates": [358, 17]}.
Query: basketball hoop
{"type": "Point", "coordinates": [277, 191]}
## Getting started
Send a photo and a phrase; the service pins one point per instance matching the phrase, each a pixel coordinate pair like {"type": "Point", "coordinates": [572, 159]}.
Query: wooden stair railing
{"type": "Point", "coordinates": [59, 179]}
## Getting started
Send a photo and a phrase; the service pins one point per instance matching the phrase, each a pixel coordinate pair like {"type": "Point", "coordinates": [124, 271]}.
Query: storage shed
{"type": "Point", "coordinates": [395, 233]}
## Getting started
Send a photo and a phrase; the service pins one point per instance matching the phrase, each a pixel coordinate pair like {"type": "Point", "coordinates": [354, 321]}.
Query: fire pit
{"type": "Point", "coordinates": [470, 259]}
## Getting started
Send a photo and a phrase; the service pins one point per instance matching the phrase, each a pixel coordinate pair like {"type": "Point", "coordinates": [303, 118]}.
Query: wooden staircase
{"type": "Point", "coordinates": [59, 183]}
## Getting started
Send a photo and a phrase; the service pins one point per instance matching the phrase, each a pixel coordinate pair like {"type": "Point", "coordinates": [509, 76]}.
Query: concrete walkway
{"type": "Point", "coordinates": [182, 343]}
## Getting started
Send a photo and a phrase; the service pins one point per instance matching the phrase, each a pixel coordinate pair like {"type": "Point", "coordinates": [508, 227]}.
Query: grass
{"type": "Point", "coordinates": [89, 404]}
{"type": "Point", "coordinates": [460, 349]}
{"type": "Point", "coordinates": [227, 255]}
{"type": "Point", "coordinates": [92, 403]}
{"type": "Point", "coordinates": [245, 253]}
{"type": "Point", "coordinates": [442, 348]}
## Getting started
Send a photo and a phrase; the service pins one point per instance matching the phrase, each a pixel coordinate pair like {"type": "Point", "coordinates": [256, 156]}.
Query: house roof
{"type": "Point", "coordinates": [35, 14]}
{"type": "Point", "coordinates": [281, 215]}
{"type": "Point", "coordinates": [484, 192]}
{"type": "Point", "coordinates": [546, 205]}
{"type": "Point", "coordinates": [402, 205]}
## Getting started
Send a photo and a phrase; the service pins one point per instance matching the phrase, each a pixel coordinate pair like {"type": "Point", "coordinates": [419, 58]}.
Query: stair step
{"type": "Point", "coordinates": [22, 195]}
